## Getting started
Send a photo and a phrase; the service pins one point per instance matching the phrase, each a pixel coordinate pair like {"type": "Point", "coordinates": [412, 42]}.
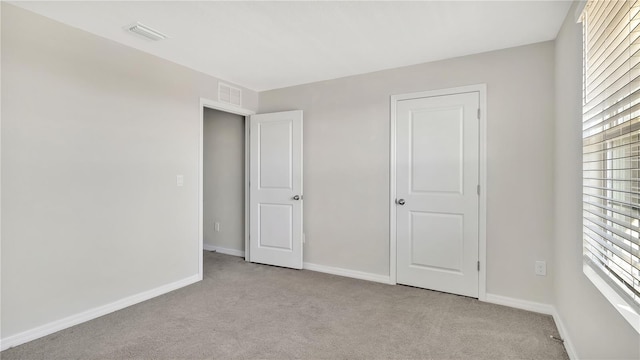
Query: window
{"type": "Point", "coordinates": [611, 149]}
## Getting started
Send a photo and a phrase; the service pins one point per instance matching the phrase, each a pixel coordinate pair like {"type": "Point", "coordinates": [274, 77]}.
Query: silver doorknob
{"type": "Point", "coordinates": [297, 197]}
{"type": "Point", "coordinates": [400, 201]}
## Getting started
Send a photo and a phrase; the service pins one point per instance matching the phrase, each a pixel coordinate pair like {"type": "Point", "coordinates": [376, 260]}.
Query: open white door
{"type": "Point", "coordinates": [275, 196]}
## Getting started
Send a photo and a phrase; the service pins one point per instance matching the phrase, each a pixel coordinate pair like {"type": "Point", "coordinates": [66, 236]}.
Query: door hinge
{"type": "Point", "coordinates": [478, 265]}
{"type": "Point", "coordinates": [478, 190]}
{"type": "Point", "coordinates": [478, 114]}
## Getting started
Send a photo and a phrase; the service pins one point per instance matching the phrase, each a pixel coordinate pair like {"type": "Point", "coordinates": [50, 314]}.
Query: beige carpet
{"type": "Point", "coordinates": [249, 311]}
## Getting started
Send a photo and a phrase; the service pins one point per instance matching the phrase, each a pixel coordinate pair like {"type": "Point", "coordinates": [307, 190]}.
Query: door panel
{"type": "Point", "coordinates": [276, 159]}
{"type": "Point", "coordinates": [437, 175]}
{"type": "Point", "coordinates": [276, 226]}
{"type": "Point", "coordinates": [446, 246]}
{"type": "Point", "coordinates": [276, 189]}
{"type": "Point", "coordinates": [436, 150]}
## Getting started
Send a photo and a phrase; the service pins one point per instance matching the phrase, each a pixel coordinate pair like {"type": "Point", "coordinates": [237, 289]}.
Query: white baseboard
{"type": "Point", "coordinates": [347, 273]}
{"type": "Point", "coordinates": [562, 331]}
{"type": "Point", "coordinates": [546, 309]}
{"type": "Point", "coordinates": [541, 308]}
{"type": "Point", "coordinates": [52, 327]}
{"type": "Point", "coordinates": [222, 250]}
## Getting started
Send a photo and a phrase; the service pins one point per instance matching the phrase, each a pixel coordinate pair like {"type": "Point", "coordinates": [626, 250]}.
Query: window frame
{"type": "Point", "coordinates": [612, 291]}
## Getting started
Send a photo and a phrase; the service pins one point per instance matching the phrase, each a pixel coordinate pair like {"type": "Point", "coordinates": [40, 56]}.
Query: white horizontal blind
{"type": "Point", "coordinates": [611, 144]}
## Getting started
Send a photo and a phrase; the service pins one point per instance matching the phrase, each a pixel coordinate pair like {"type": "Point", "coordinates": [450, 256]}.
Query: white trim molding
{"type": "Point", "coordinates": [564, 334]}
{"type": "Point", "coordinates": [361, 275]}
{"type": "Point", "coordinates": [628, 312]}
{"type": "Point", "coordinates": [481, 89]}
{"type": "Point", "coordinates": [541, 308]}
{"type": "Point", "coordinates": [217, 105]}
{"type": "Point", "coordinates": [223, 250]}
{"type": "Point", "coordinates": [67, 322]}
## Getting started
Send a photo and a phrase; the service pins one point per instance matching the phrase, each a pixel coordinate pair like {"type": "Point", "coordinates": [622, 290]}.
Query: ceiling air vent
{"type": "Point", "coordinates": [229, 94]}
{"type": "Point", "coordinates": [146, 32]}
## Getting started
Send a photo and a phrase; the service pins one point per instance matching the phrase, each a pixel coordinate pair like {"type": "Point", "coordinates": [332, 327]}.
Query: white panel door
{"type": "Point", "coordinates": [275, 195]}
{"type": "Point", "coordinates": [437, 201]}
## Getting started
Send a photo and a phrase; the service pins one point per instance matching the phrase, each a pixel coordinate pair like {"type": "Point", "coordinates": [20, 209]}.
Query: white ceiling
{"type": "Point", "coordinates": [273, 44]}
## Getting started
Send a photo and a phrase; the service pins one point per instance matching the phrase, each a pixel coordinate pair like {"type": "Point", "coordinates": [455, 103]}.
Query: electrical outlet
{"type": "Point", "coordinates": [217, 226]}
{"type": "Point", "coordinates": [179, 180]}
{"type": "Point", "coordinates": [541, 268]}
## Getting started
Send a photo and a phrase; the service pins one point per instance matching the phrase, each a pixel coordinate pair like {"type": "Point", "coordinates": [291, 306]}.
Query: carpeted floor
{"type": "Point", "coordinates": [249, 311]}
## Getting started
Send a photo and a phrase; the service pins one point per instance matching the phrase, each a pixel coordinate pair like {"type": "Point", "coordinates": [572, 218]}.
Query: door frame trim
{"type": "Point", "coordinates": [481, 89]}
{"type": "Point", "coordinates": [216, 105]}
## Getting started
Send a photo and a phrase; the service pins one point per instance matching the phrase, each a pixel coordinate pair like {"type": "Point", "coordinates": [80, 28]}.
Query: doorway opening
{"type": "Point", "coordinates": [223, 184]}
{"type": "Point", "coordinates": [273, 162]}
{"type": "Point", "coordinates": [223, 187]}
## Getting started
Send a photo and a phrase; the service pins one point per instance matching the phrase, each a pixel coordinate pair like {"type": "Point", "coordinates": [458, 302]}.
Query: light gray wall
{"type": "Point", "coordinates": [224, 179]}
{"type": "Point", "coordinates": [93, 135]}
{"type": "Point", "coordinates": [346, 157]}
{"type": "Point", "coordinates": [596, 329]}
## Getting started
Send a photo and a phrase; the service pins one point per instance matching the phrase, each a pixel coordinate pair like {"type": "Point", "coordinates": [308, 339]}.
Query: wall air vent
{"type": "Point", "coordinates": [146, 32]}
{"type": "Point", "coordinates": [229, 94]}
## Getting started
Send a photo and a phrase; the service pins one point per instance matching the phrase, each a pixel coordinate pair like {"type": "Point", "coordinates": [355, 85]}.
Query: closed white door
{"type": "Point", "coordinates": [437, 149]}
{"type": "Point", "coordinates": [275, 189]}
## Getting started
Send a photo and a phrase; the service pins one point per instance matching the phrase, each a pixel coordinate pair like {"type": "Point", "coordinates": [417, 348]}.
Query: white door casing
{"type": "Point", "coordinates": [275, 189]}
{"type": "Point", "coordinates": [437, 178]}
